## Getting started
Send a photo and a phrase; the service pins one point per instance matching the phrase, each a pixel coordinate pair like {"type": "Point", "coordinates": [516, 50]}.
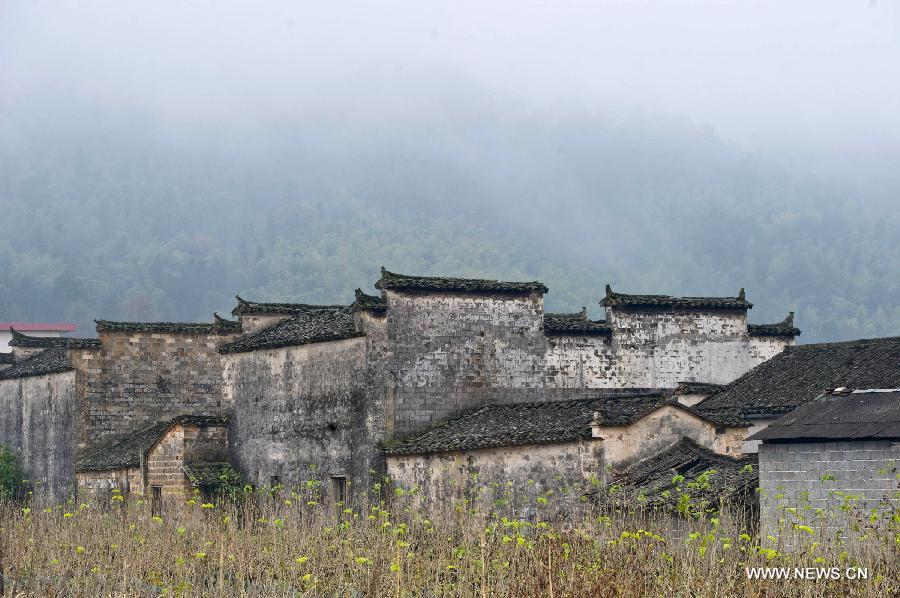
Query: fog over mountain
{"type": "Point", "coordinates": [157, 158]}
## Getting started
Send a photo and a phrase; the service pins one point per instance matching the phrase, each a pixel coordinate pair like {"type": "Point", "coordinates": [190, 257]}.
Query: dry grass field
{"type": "Point", "coordinates": [286, 543]}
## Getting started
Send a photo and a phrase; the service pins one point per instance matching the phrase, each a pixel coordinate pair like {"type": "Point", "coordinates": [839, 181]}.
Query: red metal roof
{"type": "Point", "coordinates": [32, 326]}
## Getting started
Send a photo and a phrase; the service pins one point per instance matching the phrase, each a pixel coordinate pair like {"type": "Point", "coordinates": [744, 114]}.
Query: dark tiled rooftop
{"type": "Point", "coordinates": [310, 326]}
{"type": "Point", "coordinates": [391, 280]}
{"type": "Point", "coordinates": [859, 415]}
{"type": "Point", "coordinates": [127, 452]}
{"type": "Point", "coordinates": [575, 324]}
{"type": "Point", "coordinates": [613, 299]}
{"type": "Point", "coordinates": [48, 361]}
{"type": "Point", "coordinates": [533, 423]}
{"type": "Point", "coordinates": [698, 388]}
{"type": "Point", "coordinates": [372, 303]}
{"type": "Point", "coordinates": [801, 373]}
{"type": "Point", "coordinates": [217, 327]}
{"type": "Point", "coordinates": [7, 358]}
{"type": "Point", "coordinates": [653, 482]}
{"type": "Point", "coordinates": [783, 328]}
{"type": "Point", "coordinates": [258, 308]}
{"type": "Point", "coordinates": [52, 342]}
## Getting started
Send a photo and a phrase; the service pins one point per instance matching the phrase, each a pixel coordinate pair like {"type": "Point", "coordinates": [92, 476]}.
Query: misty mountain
{"type": "Point", "coordinates": [110, 217]}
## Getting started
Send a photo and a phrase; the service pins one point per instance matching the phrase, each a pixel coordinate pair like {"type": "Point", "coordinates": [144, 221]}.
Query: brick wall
{"type": "Point", "coordinates": [164, 464]}
{"type": "Point", "coordinates": [830, 484]}
{"type": "Point", "coordinates": [138, 379]}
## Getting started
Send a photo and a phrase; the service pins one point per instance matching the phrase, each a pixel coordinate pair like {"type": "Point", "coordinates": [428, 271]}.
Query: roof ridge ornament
{"type": "Point", "coordinates": [741, 295]}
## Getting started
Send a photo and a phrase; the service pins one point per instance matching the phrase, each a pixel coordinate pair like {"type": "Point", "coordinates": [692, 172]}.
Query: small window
{"type": "Point", "coordinates": [156, 499]}
{"type": "Point", "coordinates": [720, 431]}
{"type": "Point", "coordinates": [274, 480]}
{"type": "Point", "coordinates": [339, 489]}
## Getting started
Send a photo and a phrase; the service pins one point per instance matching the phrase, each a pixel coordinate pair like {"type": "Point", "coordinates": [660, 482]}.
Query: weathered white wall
{"type": "Point", "coordinates": [300, 413]}
{"type": "Point", "coordinates": [37, 421]}
{"type": "Point", "coordinates": [625, 445]}
{"type": "Point", "coordinates": [763, 348]}
{"type": "Point", "coordinates": [659, 348]}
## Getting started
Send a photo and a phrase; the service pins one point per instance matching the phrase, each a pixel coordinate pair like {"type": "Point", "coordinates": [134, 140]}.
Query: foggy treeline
{"type": "Point", "coordinates": [118, 224]}
{"type": "Point", "coordinates": [118, 210]}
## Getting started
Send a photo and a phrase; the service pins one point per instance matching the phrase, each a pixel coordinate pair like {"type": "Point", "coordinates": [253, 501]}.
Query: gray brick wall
{"type": "Point", "coordinates": [138, 379]}
{"type": "Point", "coordinates": [830, 487]}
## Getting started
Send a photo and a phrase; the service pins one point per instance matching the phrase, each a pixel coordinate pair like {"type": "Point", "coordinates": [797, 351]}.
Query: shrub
{"type": "Point", "coordinates": [12, 476]}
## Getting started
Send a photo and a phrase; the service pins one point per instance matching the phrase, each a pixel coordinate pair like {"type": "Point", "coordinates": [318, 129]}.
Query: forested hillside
{"type": "Point", "coordinates": [123, 218]}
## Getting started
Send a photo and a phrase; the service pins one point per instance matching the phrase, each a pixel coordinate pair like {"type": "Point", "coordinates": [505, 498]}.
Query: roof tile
{"type": "Point", "coordinates": [310, 326]}
{"type": "Point", "coordinates": [801, 373]}
{"type": "Point", "coordinates": [48, 361]}
{"type": "Point", "coordinates": [613, 299]}
{"type": "Point", "coordinates": [403, 282]}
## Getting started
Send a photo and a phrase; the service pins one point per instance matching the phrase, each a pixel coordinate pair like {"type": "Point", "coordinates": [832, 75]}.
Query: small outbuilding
{"type": "Point", "coordinates": [165, 461]}
{"type": "Point", "coordinates": [830, 468]}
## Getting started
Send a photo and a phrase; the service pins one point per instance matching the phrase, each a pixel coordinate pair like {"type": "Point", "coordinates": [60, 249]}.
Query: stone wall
{"type": "Point", "coordinates": [37, 421]}
{"type": "Point", "coordinates": [626, 445]}
{"type": "Point", "coordinates": [138, 379]}
{"type": "Point", "coordinates": [830, 484]}
{"type": "Point", "coordinates": [300, 413]}
{"type": "Point", "coordinates": [517, 475]}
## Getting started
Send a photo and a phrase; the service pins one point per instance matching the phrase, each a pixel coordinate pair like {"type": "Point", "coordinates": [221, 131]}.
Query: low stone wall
{"type": "Point", "coordinates": [833, 488]}
{"type": "Point", "coordinates": [518, 475]}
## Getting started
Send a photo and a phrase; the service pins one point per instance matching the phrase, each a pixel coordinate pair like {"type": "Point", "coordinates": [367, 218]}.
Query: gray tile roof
{"type": "Point", "coordinates": [371, 303]}
{"type": "Point", "coordinates": [48, 361]}
{"type": "Point", "coordinates": [218, 326]}
{"type": "Point", "coordinates": [310, 326]}
{"type": "Point", "coordinates": [859, 415]}
{"type": "Point", "coordinates": [698, 388]}
{"type": "Point", "coordinates": [800, 373]}
{"type": "Point", "coordinates": [127, 452]}
{"type": "Point", "coordinates": [783, 328]}
{"type": "Point", "coordinates": [403, 282]}
{"type": "Point", "coordinates": [613, 299]}
{"type": "Point", "coordinates": [574, 324]}
{"type": "Point", "coordinates": [52, 342]}
{"type": "Point", "coordinates": [7, 358]}
{"type": "Point", "coordinates": [257, 308]}
{"type": "Point", "coordinates": [534, 423]}
{"type": "Point", "coordinates": [654, 479]}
